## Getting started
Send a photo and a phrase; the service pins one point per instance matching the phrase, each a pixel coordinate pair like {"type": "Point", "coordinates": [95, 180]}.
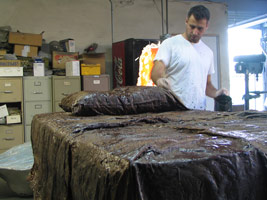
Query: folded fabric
{"type": "Point", "coordinates": [122, 101]}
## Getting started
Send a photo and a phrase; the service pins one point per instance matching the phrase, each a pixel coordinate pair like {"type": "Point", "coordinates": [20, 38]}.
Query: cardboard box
{"type": "Point", "coordinates": [68, 45]}
{"type": "Point", "coordinates": [13, 119]}
{"type": "Point", "coordinates": [38, 69]}
{"type": "Point", "coordinates": [60, 58]}
{"type": "Point", "coordinates": [25, 50]}
{"type": "Point", "coordinates": [3, 111]}
{"type": "Point", "coordinates": [73, 68]}
{"type": "Point", "coordinates": [94, 58]}
{"type": "Point", "coordinates": [2, 52]}
{"type": "Point", "coordinates": [11, 71]}
{"type": "Point", "coordinates": [25, 38]}
{"type": "Point", "coordinates": [90, 69]}
{"type": "Point", "coordinates": [10, 63]}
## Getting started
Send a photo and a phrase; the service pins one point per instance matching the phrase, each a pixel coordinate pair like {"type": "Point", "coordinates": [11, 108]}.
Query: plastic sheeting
{"type": "Point", "coordinates": [122, 101]}
{"type": "Point", "coordinates": [173, 155]}
{"type": "Point", "coordinates": [15, 165]}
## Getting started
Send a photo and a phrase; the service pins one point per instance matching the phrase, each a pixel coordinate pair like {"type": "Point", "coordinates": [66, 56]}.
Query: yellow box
{"type": "Point", "coordinates": [90, 69]}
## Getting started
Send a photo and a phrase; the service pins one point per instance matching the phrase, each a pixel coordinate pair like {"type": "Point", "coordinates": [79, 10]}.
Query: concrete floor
{"type": "Point", "coordinates": [7, 194]}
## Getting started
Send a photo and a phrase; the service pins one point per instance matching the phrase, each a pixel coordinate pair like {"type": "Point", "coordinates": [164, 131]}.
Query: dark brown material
{"type": "Point", "coordinates": [185, 155]}
{"type": "Point", "coordinates": [223, 103]}
{"type": "Point", "coordinates": [122, 101]}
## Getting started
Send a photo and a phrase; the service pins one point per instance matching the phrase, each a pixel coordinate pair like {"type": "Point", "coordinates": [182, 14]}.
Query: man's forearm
{"type": "Point", "coordinates": [158, 71]}
{"type": "Point", "coordinates": [211, 91]}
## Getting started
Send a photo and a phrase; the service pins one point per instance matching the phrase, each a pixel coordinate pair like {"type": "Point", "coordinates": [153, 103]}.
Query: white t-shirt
{"type": "Point", "coordinates": [187, 68]}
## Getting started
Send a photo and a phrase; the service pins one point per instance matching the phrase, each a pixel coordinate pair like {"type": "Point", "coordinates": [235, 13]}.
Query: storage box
{"type": "Point", "coordinates": [90, 69]}
{"type": "Point", "coordinates": [38, 69]}
{"type": "Point", "coordinates": [60, 58]}
{"type": "Point", "coordinates": [73, 68]}
{"type": "Point", "coordinates": [11, 71]}
{"type": "Point", "coordinates": [96, 83]}
{"type": "Point", "coordinates": [94, 58]}
{"type": "Point", "coordinates": [68, 45]}
{"type": "Point", "coordinates": [10, 63]}
{"type": "Point", "coordinates": [25, 38]}
{"type": "Point", "coordinates": [25, 50]}
{"type": "Point", "coordinates": [2, 52]}
{"type": "Point", "coordinates": [3, 111]}
{"type": "Point", "coordinates": [13, 119]}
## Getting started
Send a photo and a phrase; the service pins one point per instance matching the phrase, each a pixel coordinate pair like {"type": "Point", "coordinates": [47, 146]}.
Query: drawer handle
{"type": "Point", "coordinates": [9, 139]}
{"type": "Point", "coordinates": [39, 106]}
{"type": "Point", "coordinates": [8, 92]}
{"type": "Point", "coordinates": [37, 92]}
{"type": "Point", "coordinates": [65, 94]}
{"type": "Point", "coordinates": [37, 83]}
{"type": "Point", "coordinates": [9, 131]}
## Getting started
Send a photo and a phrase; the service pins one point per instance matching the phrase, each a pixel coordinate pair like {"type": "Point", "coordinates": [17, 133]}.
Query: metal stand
{"type": "Point", "coordinates": [246, 96]}
{"type": "Point", "coordinates": [252, 64]}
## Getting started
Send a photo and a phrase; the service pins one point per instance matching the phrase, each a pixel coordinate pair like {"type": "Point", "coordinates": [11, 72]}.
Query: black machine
{"type": "Point", "coordinates": [251, 64]}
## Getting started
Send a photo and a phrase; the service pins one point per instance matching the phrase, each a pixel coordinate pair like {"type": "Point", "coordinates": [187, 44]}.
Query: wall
{"type": "Point", "coordinates": [89, 21]}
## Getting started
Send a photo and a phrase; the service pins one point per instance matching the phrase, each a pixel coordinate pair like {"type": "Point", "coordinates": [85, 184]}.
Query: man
{"type": "Point", "coordinates": [184, 63]}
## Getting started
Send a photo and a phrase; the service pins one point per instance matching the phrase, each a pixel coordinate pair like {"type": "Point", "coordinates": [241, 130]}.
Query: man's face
{"type": "Point", "coordinates": [195, 29]}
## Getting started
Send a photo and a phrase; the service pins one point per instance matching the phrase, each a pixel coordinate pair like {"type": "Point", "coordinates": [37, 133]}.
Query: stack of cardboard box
{"type": "Point", "coordinates": [25, 44]}
{"type": "Point", "coordinates": [93, 71]}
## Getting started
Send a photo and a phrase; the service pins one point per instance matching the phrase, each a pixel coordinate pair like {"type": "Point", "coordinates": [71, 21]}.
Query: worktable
{"type": "Point", "coordinates": [170, 155]}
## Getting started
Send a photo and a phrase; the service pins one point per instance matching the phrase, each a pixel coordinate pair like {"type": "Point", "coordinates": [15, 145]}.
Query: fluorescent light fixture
{"type": "Point", "coordinates": [250, 22]}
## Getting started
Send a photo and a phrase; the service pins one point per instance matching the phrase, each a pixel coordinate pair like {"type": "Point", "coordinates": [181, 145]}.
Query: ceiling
{"type": "Point", "coordinates": [240, 10]}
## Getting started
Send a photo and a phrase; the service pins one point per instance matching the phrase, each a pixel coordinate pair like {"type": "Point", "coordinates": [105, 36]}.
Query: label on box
{"type": "Point", "coordinates": [96, 82]}
{"type": "Point", "coordinates": [25, 51]}
{"type": "Point", "coordinates": [10, 63]}
{"type": "Point", "coordinates": [3, 111]}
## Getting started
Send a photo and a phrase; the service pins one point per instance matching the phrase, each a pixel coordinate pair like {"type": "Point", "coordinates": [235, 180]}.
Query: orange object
{"type": "Point", "coordinates": [146, 65]}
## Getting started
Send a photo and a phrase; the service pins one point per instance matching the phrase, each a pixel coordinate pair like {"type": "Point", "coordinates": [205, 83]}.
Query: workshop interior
{"type": "Point", "coordinates": [81, 118]}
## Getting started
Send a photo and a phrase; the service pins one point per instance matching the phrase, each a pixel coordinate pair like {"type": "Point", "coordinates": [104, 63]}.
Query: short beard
{"type": "Point", "coordinates": [193, 39]}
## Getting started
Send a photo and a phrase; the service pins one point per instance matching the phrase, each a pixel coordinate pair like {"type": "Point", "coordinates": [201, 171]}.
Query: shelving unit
{"type": "Point", "coordinates": [11, 95]}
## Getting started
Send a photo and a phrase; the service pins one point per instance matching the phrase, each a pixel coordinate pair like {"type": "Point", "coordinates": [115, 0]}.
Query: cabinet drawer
{"type": "Point", "coordinates": [10, 89]}
{"type": "Point", "coordinates": [37, 88]}
{"type": "Point", "coordinates": [96, 83]}
{"type": "Point", "coordinates": [33, 108]}
{"type": "Point", "coordinates": [56, 107]}
{"type": "Point", "coordinates": [62, 87]}
{"type": "Point", "coordinates": [11, 136]}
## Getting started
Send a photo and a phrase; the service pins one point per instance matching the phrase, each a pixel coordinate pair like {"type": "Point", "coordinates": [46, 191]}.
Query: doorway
{"type": "Point", "coordinates": [244, 41]}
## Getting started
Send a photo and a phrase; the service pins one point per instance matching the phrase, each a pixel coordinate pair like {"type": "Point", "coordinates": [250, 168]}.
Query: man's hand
{"type": "Point", "coordinates": [221, 91]}
{"type": "Point", "coordinates": [163, 82]}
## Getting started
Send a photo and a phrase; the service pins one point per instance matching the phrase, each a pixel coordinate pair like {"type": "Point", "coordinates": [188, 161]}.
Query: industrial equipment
{"type": "Point", "coordinates": [250, 64]}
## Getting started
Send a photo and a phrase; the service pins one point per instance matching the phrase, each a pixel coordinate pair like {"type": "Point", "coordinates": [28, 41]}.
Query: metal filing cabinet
{"type": "Point", "coordinates": [11, 96]}
{"type": "Point", "coordinates": [37, 99]}
{"type": "Point", "coordinates": [96, 83]}
{"type": "Point", "coordinates": [62, 87]}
